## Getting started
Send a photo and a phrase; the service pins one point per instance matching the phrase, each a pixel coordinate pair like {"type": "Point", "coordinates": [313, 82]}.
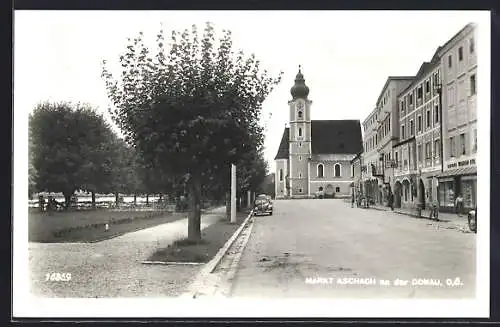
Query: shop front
{"type": "Point", "coordinates": [454, 182]}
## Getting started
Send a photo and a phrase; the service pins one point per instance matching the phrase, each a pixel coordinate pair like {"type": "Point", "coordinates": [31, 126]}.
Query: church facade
{"type": "Point", "coordinates": [314, 156]}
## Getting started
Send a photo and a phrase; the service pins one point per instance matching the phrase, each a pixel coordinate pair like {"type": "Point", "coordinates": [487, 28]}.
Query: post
{"type": "Point", "coordinates": [249, 203]}
{"type": "Point", "coordinates": [233, 193]}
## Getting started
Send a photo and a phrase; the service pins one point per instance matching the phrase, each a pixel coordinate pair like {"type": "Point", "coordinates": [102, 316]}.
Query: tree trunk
{"type": "Point", "coordinates": [116, 198]}
{"type": "Point", "coordinates": [135, 199]}
{"type": "Point", "coordinates": [194, 217]}
{"type": "Point", "coordinates": [93, 200]}
{"type": "Point", "coordinates": [67, 199]}
{"type": "Point", "coordinates": [228, 206]}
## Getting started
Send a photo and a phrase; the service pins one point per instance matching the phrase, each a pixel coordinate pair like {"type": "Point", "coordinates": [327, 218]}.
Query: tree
{"type": "Point", "coordinates": [69, 148]}
{"type": "Point", "coordinates": [192, 111]}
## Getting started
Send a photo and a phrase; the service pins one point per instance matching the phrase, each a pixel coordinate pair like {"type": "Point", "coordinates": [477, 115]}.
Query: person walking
{"type": "Point", "coordinates": [353, 200]}
{"type": "Point", "coordinates": [391, 200]}
{"type": "Point", "coordinates": [459, 203]}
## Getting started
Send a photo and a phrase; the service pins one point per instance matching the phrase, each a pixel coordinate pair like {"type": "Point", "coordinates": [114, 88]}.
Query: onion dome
{"type": "Point", "coordinates": [299, 90]}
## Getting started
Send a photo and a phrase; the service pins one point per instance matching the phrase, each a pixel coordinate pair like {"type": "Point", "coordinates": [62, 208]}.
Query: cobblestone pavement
{"type": "Point", "coordinates": [113, 268]}
{"type": "Point", "coordinates": [343, 245]}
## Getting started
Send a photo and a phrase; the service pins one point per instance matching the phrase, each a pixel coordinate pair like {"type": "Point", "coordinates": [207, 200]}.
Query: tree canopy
{"type": "Point", "coordinates": [191, 110]}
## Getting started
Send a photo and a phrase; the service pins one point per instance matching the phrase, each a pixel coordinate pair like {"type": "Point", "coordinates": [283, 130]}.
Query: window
{"type": "Point", "coordinates": [474, 146]}
{"type": "Point", "coordinates": [281, 175]}
{"type": "Point", "coordinates": [471, 45]}
{"type": "Point", "coordinates": [300, 158]}
{"type": "Point", "coordinates": [419, 123]}
{"type": "Point", "coordinates": [403, 131]}
{"type": "Point", "coordinates": [460, 54]}
{"type": "Point", "coordinates": [402, 107]}
{"type": "Point", "coordinates": [300, 114]}
{"type": "Point", "coordinates": [449, 61]}
{"type": "Point", "coordinates": [462, 143]}
{"type": "Point", "coordinates": [337, 189]}
{"type": "Point", "coordinates": [300, 131]}
{"type": "Point", "coordinates": [412, 128]}
{"type": "Point", "coordinates": [300, 190]}
{"type": "Point", "coordinates": [436, 113]}
{"type": "Point", "coordinates": [352, 170]}
{"type": "Point", "coordinates": [419, 93]}
{"type": "Point", "coordinates": [389, 124]}
{"type": "Point", "coordinates": [428, 118]}
{"type": "Point", "coordinates": [427, 86]}
{"type": "Point", "coordinates": [419, 152]}
{"type": "Point", "coordinates": [437, 149]}
{"type": "Point", "coordinates": [452, 146]}
{"type": "Point", "coordinates": [396, 157]}
{"type": "Point", "coordinates": [473, 84]}
{"type": "Point", "coordinates": [336, 171]}
{"type": "Point", "coordinates": [300, 175]}
{"type": "Point", "coordinates": [410, 99]}
{"type": "Point", "coordinates": [300, 144]}
{"type": "Point", "coordinates": [428, 150]}
{"type": "Point", "coordinates": [320, 170]}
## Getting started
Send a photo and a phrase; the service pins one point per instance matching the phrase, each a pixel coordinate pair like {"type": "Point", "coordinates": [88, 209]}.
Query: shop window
{"type": "Point", "coordinates": [447, 194]}
{"type": "Point", "coordinates": [469, 193]}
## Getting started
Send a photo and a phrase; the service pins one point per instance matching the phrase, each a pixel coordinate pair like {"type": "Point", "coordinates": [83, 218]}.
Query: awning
{"type": "Point", "coordinates": [458, 172]}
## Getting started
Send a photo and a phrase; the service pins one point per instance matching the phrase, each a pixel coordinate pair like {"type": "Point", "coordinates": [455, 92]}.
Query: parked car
{"type": "Point", "coordinates": [472, 219]}
{"type": "Point", "coordinates": [263, 205]}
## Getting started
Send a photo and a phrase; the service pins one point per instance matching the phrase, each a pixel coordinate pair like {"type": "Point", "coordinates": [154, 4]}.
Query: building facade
{"type": "Point", "coordinates": [314, 156]}
{"type": "Point", "coordinates": [420, 146]}
{"type": "Point", "coordinates": [459, 98]}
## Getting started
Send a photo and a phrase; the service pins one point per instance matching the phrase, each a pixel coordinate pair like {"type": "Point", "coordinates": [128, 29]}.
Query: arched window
{"type": "Point", "coordinates": [336, 170]}
{"type": "Point", "coordinates": [300, 131]}
{"type": "Point", "coordinates": [281, 175]}
{"type": "Point", "coordinates": [320, 170]}
{"type": "Point", "coordinates": [299, 114]}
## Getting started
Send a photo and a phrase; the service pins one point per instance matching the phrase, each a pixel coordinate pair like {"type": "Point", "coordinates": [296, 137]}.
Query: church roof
{"type": "Point", "coordinates": [329, 137]}
{"type": "Point", "coordinates": [283, 150]}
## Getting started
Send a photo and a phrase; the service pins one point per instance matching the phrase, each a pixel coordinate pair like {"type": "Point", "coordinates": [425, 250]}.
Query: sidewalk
{"type": "Point", "coordinates": [446, 217]}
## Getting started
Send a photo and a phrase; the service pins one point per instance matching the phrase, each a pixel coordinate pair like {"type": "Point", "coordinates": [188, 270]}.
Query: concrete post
{"type": "Point", "coordinates": [249, 195]}
{"type": "Point", "coordinates": [233, 193]}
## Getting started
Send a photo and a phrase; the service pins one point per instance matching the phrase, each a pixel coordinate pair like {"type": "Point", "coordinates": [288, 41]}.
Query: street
{"type": "Point", "coordinates": [325, 248]}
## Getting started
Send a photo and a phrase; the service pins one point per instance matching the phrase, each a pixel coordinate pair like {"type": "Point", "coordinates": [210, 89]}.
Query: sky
{"type": "Point", "coordinates": [345, 56]}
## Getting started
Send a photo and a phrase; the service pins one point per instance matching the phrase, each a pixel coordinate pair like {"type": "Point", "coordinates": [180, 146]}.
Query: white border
{"type": "Point", "coordinates": [26, 305]}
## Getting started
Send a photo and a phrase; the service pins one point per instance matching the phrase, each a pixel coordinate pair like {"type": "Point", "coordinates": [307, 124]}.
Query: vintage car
{"type": "Point", "coordinates": [472, 219]}
{"type": "Point", "coordinates": [263, 205]}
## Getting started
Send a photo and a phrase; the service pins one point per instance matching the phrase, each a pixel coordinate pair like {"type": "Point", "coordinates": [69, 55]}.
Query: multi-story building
{"type": "Point", "coordinates": [315, 155]}
{"type": "Point", "coordinates": [459, 92]}
{"type": "Point", "coordinates": [380, 134]}
{"type": "Point", "coordinates": [369, 158]}
{"type": "Point", "coordinates": [387, 132]}
{"type": "Point", "coordinates": [419, 149]}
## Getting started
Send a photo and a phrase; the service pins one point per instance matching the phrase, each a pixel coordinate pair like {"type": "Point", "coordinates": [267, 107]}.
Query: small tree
{"type": "Point", "coordinates": [193, 111]}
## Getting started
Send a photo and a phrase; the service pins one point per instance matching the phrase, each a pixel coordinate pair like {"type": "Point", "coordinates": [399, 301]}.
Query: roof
{"type": "Point", "coordinates": [283, 148]}
{"type": "Point", "coordinates": [424, 69]}
{"type": "Point", "coordinates": [458, 172]}
{"type": "Point", "coordinates": [328, 137]}
{"type": "Point", "coordinates": [389, 79]}
{"type": "Point", "coordinates": [448, 44]}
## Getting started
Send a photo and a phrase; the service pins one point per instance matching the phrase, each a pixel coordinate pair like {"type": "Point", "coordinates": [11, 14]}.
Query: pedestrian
{"type": "Point", "coordinates": [459, 203]}
{"type": "Point", "coordinates": [391, 201]}
{"type": "Point", "coordinates": [353, 200]}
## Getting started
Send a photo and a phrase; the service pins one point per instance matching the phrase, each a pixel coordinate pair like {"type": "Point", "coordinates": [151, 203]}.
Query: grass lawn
{"type": "Point", "coordinates": [87, 226]}
{"type": "Point", "coordinates": [213, 239]}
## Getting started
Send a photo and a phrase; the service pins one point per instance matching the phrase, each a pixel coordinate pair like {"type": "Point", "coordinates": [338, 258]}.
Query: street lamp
{"type": "Point", "coordinates": [438, 87]}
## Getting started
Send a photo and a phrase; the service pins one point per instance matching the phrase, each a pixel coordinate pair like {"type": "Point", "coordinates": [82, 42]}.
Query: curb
{"type": "Point", "coordinates": [212, 264]}
{"type": "Point", "coordinates": [172, 263]}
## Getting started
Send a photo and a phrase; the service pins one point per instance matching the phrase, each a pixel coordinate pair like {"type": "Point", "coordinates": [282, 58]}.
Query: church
{"type": "Point", "coordinates": [314, 156]}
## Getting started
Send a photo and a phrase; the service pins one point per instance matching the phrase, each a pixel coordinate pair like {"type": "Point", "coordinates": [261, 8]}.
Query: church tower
{"type": "Point", "coordinates": [299, 138]}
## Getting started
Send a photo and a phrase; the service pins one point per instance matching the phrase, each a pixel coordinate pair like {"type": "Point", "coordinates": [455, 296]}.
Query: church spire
{"type": "Point", "coordinates": [299, 90]}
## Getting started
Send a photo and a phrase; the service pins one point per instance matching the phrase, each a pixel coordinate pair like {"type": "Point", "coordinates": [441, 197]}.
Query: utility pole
{"type": "Point", "coordinates": [233, 193]}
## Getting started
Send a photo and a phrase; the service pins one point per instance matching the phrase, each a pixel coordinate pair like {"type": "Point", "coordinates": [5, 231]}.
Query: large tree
{"type": "Point", "coordinates": [69, 148]}
{"type": "Point", "coordinates": [192, 111]}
